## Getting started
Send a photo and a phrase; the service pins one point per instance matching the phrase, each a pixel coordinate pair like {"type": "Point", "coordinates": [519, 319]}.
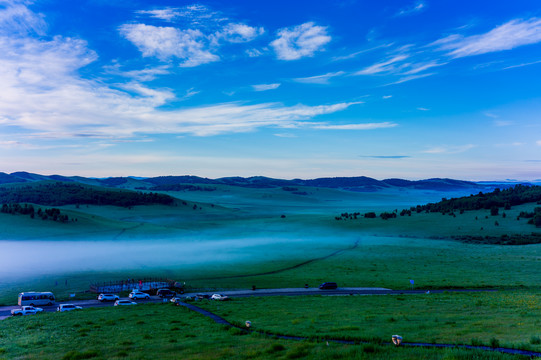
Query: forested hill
{"type": "Point", "coordinates": [517, 195]}
{"type": "Point", "coordinates": [60, 193]}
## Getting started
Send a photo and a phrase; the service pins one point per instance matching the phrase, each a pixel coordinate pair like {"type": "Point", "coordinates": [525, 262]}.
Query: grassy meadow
{"type": "Point", "coordinates": [164, 331]}
{"type": "Point", "coordinates": [235, 238]}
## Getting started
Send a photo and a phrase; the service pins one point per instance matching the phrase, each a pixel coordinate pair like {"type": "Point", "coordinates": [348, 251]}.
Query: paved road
{"type": "Point", "coordinates": [5, 311]}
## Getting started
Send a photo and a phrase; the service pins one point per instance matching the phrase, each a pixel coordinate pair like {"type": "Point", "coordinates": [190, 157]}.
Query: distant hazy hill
{"type": "Point", "coordinates": [360, 183]}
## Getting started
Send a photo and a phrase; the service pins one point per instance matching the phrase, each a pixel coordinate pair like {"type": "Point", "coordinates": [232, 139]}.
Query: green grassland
{"type": "Point", "coordinates": [511, 317]}
{"type": "Point", "coordinates": [234, 238]}
{"type": "Point", "coordinates": [170, 332]}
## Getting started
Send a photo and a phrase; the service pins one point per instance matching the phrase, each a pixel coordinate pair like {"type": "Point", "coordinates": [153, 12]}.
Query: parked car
{"type": "Point", "coordinates": [187, 298]}
{"type": "Point", "coordinates": [219, 297]}
{"type": "Point", "coordinates": [328, 286]}
{"type": "Point", "coordinates": [124, 302]}
{"type": "Point", "coordinates": [26, 310]}
{"type": "Point", "coordinates": [134, 295]}
{"type": "Point", "coordinates": [68, 307]}
{"type": "Point", "coordinates": [202, 296]}
{"type": "Point", "coordinates": [165, 293]}
{"type": "Point", "coordinates": [107, 297]}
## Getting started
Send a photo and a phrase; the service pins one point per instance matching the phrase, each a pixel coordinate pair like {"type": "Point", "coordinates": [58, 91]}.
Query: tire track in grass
{"type": "Point", "coordinates": [220, 320]}
{"type": "Point", "coordinates": [337, 252]}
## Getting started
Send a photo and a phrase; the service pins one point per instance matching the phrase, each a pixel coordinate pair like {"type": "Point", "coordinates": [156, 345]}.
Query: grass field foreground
{"type": "Point", "coordinates": [157, 331]}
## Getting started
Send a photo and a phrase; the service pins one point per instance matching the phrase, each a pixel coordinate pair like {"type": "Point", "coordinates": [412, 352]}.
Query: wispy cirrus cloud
{"type": "Point", "coordinates": [193, 15]}
{"type": "Point", "coordinates": [386, 156]}
{"type": "Point", "coordinates": [417, 7]}
{"type": "Point", "coordinates": [449, 149]}
{"type": "Point", "coordinates": [319, 79]}
{"type": "Point", "coordinates": [300, 41]}
{"type": "Point", "coordinates": [366, 126]}
{"type": "Point", "coordinates": [512, 34]}
{"type": "Point", "coordinates": [147, 74]}
{"type": "Point", "coordinates": [385, 66]}
{"type": "Point", "coordinates": [522, 65]}
{"type": "Point", "coordinates": [16, 18]}
{"type": "Point", "coordinates": [265, 87]}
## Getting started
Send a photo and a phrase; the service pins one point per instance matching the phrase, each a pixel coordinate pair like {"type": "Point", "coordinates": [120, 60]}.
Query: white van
{"type": "Point", "coordinates": [33, 298]}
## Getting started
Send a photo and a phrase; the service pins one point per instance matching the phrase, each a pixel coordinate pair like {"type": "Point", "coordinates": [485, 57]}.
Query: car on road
{"type": "Point", "coordinates": [328, 286]}
{"type": "Point", "coordinates": [134, 295]}
{"type": "Point", "coordinates": [219, 297]}
{"type": "Point", "coordinates": [202, 296]}
{"type": "Point", "coordinates": [26, 310]}
{"type": "Point", "coordinates": [68, 307]}
{"type": "Point", "coordinates": [107, 297]}
{"type": "Point", "coordinates": [176, 300]}
{"type": "Point", "coordinates": [124, 302]}
{"type": "Point", "coordinates": [163, 293]}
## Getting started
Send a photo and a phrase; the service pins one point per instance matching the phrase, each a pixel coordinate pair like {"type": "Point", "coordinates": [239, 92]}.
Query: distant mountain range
{"type": "Point", "coordinates": [360, 183]}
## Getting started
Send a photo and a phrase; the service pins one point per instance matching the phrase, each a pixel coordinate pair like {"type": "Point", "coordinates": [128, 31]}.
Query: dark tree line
{"type": "Point", "coordinates": [26, 209]}
{"type": "Point", "coordinates": [58, 194]}
{"type": "Point", "coordinates": [517, 195]}
{"type": "Point", "coordinates": [493, 201]}
{"type": "Point", "coordinates": [180, 187]}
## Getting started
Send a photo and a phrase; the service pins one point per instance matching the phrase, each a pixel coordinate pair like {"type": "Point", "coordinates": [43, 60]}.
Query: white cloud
{"type": "Point", "coordinates": [43, 96]}
{"type": "Point", "coordinates": [147, 74]}
{"type": "Point", "coordinates": [449, 149]}
{"type": "Point", "coordinates": [500, 123]}
{"type": "Point", "coordinates": [239, 33]}
{"type": "Point", "coordinates": [386, 96]}
{"type": "Point", "coordinates": [286, 135]}
{"type": "Point", "coordinates": [254, 52]}
{"type": "Point", "coordinates": [521, 65]}
{"type": "Point", "coordinates": [367, 126]}
{"type": "Point", "coordinates": [193, 14]}
{"type": "Point", "coordinates": [415, 8]}
{"type": "Point", "coordinates": [168, 14]}
{"type": "Point", "coordinates": [265, 87]}
{"type": "Point", "coordinates": [300, 41]}
{"type": "Point", "coordinates": [16, 18]}
{"type": "Point", "coordinates": [384, 66]}
{"type": "Point", "coordinates": [409, 78]}
{"type": "Point", "coordinates": [319, 79]}
{"type": "Point", "coordinates": [167, 42]}
{"type": "Point", "coordinates": [538, 142]}
{"type": "Point", "coordinates": [510, 35]}
{"type": "Point", "coordinates": [423, 109]}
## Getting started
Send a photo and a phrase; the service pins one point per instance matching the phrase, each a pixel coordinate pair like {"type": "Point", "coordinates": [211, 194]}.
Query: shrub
{"type": "Point", "coordinates": [494, 343]}
{"type": "Point", "coordinates": [535, 340]}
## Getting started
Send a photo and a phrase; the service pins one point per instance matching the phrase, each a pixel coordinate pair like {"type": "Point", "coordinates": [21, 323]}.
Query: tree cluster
{"type": "Point", "coordinates": [517, 195]}
{"type": "Point", "coordinates": [181, 187]}
{"type": "Point", "coordinates": [26, 209]}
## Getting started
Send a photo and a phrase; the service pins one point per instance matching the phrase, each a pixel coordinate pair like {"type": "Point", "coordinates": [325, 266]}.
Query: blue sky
{"type": "Point", "coordinates": [289, 89]}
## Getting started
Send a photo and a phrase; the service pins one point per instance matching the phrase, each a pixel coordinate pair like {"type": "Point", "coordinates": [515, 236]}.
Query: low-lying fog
{"type": "Point", "coordinates": [24, 259]}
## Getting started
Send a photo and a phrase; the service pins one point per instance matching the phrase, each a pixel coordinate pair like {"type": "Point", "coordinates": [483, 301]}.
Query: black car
{"type": "Point", "coordinates": [328, 286]}
{"type": "Point", "coordinates": [165, 293]}
{"type": "Point", "coordinates": [202, 296]}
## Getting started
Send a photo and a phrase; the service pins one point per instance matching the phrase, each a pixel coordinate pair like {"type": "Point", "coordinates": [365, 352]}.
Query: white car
{"type": "Point", "coordinates": [219, 297]}
{"type": "Point", "coordinates": [68, 307]}
{"type": "Point", "coordinates": [26, 310]}
{"type": "Point", "coordinates": [108, 297]}
{"type": "Point", "coordinates": [124, 302]}
{"type": "Point", "coordinates": [134, 295]}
